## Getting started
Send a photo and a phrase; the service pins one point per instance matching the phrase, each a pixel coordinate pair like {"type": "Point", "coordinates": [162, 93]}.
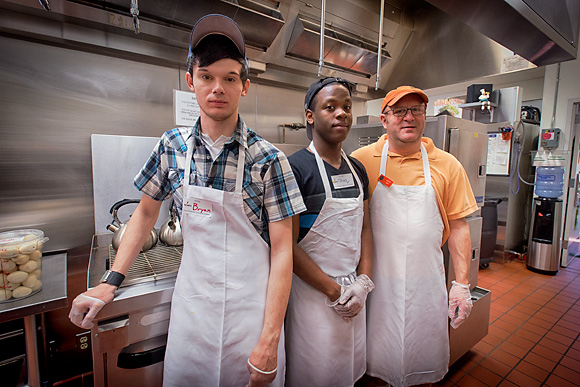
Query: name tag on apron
{"type": "Point", "coordinates": [343, 181]}
{"type": "Point", "coordinates": [197, 207]}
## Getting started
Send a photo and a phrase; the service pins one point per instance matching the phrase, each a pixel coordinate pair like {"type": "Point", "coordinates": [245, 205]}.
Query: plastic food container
{"type": "Point", "coordinates": [20, 263]}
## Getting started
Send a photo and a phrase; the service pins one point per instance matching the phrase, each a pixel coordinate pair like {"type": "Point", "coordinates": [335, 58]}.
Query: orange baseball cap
{"type": "Point", "coordinates": [395, 95]}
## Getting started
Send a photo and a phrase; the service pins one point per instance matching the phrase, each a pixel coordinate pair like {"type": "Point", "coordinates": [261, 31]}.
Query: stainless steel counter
{"type": "Point", "coordinates": [52, 296]}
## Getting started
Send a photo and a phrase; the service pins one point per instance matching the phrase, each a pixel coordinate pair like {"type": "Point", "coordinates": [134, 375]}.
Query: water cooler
{"type": "Point", "coordinates": [545, 241]}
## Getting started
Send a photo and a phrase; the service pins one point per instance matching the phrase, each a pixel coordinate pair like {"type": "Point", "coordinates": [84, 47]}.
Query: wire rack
{"type": "Point", "coordinates": [157, 263]}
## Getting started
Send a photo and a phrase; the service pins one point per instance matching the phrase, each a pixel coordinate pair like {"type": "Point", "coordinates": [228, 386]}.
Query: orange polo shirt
{"type": "Point", "coordinates": [454, 195]}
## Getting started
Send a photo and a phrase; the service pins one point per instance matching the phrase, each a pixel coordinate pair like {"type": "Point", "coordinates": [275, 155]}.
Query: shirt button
{"type": "Point", "coordinates": [208, 157]}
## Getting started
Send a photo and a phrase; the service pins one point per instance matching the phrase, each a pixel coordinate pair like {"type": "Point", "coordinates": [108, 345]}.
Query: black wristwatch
{"type": "Point", "coordinates": [112, 278]}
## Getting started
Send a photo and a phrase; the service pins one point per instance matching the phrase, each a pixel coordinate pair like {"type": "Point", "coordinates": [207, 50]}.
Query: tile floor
{"type": "Point", "coordinates": [534, 331]}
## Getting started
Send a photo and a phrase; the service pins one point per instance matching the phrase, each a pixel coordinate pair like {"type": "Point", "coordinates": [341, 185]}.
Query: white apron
{"type": "Point", "coordinates": [217, 310]}
{"type": "Point", "coordinates": [407, 333]}
{"type": "Point", "coordinates": [322, 349]}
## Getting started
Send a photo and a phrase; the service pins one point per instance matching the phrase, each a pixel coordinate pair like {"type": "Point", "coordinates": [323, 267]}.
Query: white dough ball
{"type": "Point", "coordinates": [21, 258]}
{"type": "Point", "coordinates": [8, 252]}
{"type": "Point", "coordinates": [5, 294]}
{"type": "Point", "coordinates": [35, 255]}
{"type": "Point", "coordinates": [3, 279]}
{"type": "Point", "coordinates": [29, 266]}
{"type": "Point", "coordinates": [18, 276]}
{"type": "Point", "coordinates": [29, 237]}
{"type": "Point", "coordinates": [30, 281]}
{"type": "Point", "coordinates": [37, 285]}
{"type": "Point", "coordinates": [7, 265]}
{"type": "Point", "coordinates": [10, 286]}
{"type": "Point", "coordinates": [27, 247]}
{"type": "Point", "coordinates": [21, 291]}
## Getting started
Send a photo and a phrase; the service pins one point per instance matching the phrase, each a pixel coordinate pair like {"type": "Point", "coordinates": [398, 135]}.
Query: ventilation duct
{"type": "Point", "coordinates": [341, 49]}
{"type": "Point", "coordinates": [259, 22]}
{"type": "Point", "coordinates": [543, 32]}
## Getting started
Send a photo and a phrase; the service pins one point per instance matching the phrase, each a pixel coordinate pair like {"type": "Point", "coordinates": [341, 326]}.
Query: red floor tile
{"type": "Point", "coordinates": [556, 381]}
{"type": "Point", "coordinates": [571, 363]}
{"type": "Point", "coordinates": [492, 340]}
{"type": "Point", "coordinates": [540, 361]}
{"type": "Point", "coordinates": [507, 383]}
{"type": "Point", "coordinates": [521, 379]}
{"type": "Point", "coordinates": [470, 381]}
{"type": "Point", "coordinates": [567, 374]}
{"type": "Point", "coordinates": [528, 335]}
{"type": "Point", "coordinates": [486, 376]}
{"type": "Point", "coordinates": [512, 349]}
{"type": "Point", "coordinates": [504, 357]}
{"type": "Point", "coordinates": [565, 340]}
{"type": "Point", "coordinates": [547, 352]}
{"type": "Point", "coordinates": [521, 342]}
{"type": "Point", "coordinates": [496, 366]}
{"type": "Point", "coordinates": [553, 345]}
{"type": "Point", "coordinates": [535, 372]}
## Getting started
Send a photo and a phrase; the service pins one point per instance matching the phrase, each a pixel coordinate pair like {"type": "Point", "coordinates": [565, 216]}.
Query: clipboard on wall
{"type": "Point", "coordinates": [498, 155]}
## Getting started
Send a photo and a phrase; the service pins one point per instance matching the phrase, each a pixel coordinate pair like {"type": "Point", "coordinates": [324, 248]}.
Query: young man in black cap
{"type": "Point", "coordinates": [325, 322]}
{"type": "Point", "coordinates": [236, 195]}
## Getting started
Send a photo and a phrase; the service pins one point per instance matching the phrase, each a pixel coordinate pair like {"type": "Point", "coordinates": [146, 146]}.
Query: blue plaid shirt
{"type": "Point", "coordinates": [270, 191]}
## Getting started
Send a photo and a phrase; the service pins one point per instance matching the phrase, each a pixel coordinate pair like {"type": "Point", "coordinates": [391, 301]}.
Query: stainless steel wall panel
{"type": "Point", "coordinates": [51, 100]}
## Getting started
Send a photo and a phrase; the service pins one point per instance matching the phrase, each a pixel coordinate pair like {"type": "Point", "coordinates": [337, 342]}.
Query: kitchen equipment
{"type": "Point", "coordinates": [531, 114]}
{"type": "Point", "coordinates": [20, 263]}
{"type": "Point", "coordinates": [544, 244]}
{"type": "Point", "coordinates": [129, 336]}
{"type": "Point", "coordinates": [170, 231]}
{"type": "Point", "coordinates": [118, 228]}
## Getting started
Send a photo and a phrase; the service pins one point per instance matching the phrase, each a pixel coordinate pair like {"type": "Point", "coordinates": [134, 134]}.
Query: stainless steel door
{"type": "Point", "coordinates": [467, 141]}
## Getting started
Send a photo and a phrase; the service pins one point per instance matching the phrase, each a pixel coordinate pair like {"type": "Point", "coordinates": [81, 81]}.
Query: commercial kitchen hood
{"type": "Point", "coordinates": [341, 49]}
{"type": "Point", "coordinates": [424, 38]}
{"type": "Point", "coordinates": [259, 21]}
{"type": "Point", "coordinates": [543, 32]}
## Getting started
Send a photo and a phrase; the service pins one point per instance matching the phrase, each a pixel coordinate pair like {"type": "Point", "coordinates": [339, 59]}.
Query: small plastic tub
{"type": "Point", "coordinates": [20, 263]}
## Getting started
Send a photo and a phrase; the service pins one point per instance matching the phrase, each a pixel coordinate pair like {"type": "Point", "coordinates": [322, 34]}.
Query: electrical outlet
{"type": "Point", "coordinates": [83, 342]}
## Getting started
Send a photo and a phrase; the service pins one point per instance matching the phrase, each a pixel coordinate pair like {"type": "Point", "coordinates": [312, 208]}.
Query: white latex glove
{"type": "Point", "coordinates": [460, 304]}
{"type": "Point", "coordinates": [354, 297]}
{"type": "Point", "coordinates": [84, 309]}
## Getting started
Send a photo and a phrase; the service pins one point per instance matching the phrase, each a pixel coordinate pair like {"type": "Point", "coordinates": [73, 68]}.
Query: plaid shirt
{"type": "Point", "coordinates": [270, 191]}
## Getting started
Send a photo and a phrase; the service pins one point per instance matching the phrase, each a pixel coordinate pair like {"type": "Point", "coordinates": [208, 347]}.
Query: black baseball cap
{"type": "Point", "coordinates": [315, 88]}
{"type": "Point", "coordinates": [216, 24]}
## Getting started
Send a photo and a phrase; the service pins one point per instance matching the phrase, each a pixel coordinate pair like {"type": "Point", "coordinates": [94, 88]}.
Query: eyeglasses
{"type": "Point", "coordinates": [402, 111]}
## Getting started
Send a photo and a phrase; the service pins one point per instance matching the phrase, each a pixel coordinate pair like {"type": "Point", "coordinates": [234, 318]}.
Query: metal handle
{"type": "Point", "coordinates": [131, 361]}
{"type": "Point", "coordinates": [481, 172]}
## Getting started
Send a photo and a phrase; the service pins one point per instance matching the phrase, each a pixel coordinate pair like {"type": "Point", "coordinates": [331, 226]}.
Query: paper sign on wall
{"type": "Point", "coordinates": [185, 108]}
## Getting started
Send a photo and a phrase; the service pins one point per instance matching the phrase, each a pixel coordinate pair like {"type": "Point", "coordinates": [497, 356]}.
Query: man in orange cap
{"type": "Point", "coordinates": [420, 198]}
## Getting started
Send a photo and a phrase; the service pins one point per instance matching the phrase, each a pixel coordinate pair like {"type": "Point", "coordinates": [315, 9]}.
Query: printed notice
{"type": "Point", "coordinates": [185, 108]}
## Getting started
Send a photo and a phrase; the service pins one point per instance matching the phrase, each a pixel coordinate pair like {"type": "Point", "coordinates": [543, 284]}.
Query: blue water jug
{"type": "Point", "coordinates": [550, 181]}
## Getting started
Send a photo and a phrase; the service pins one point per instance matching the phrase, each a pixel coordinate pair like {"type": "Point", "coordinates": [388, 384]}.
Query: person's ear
{"type": "Point", "coordinates": [384, 120]}
{"type": "Point", "coordinates": [246, 88]}
{"type": "Point", "coordinates": [189, 80]}
{"type": "Point", "coordinates": [310, 116]}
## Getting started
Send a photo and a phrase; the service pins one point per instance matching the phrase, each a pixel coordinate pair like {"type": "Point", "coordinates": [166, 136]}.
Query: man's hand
{"type": "Point", "coordinates": [354, 297]}
{"type": "Point", "coordinates": [263, 368]}
{"type": "Point", "coordinates": [86, 305]}
{"type": "Point", "coordinates": [460, 301]}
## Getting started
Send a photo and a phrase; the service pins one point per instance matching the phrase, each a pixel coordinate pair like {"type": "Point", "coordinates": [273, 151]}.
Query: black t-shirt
{"type": "Point", "coordinates": [305, 170]}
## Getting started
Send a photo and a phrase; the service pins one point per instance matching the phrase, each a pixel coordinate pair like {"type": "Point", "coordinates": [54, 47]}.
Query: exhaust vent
{"type": "Point", "coordinates": [341, 48]}
{"type": "Point", "coordinates": [259, 21]}
{"type": "Point", "coordinates": [543, 32]}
